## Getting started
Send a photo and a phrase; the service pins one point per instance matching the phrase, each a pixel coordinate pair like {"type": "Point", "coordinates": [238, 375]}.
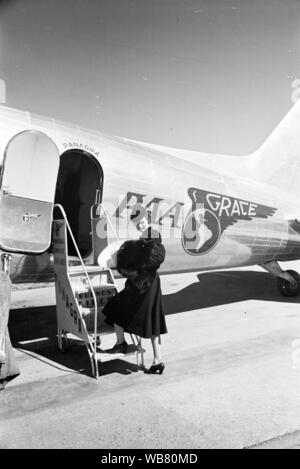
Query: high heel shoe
{"type": "Point", "coordinates": [157, 369]}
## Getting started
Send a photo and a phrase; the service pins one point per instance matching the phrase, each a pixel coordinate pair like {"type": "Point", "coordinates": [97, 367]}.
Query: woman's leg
{"type": "Point", "coordinates": [120, 334]}
{"type": "Point", "coordinates": [121, 345]}
{"type": "Point", "coordinates": [155, 341]}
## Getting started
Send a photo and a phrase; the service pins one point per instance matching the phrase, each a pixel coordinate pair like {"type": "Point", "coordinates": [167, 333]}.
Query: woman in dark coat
{"type": "Point", "coordinates": [138, 309]}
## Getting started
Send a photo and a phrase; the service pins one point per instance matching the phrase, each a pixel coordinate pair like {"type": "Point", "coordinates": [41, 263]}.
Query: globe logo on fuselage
{"type": "Point", "coordinates": [201, 232]}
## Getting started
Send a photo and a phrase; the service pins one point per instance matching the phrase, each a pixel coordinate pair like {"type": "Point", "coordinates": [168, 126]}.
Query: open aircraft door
{"type": "Point", "coordinates": [27, 190]}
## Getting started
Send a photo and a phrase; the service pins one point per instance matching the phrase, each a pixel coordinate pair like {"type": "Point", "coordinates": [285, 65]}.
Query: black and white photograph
{"type": "Point", "coordinates": [149, 227]}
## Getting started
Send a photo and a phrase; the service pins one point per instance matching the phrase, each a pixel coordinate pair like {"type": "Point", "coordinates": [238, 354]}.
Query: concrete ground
{"type": "Point", "coordinates": [232, 377]}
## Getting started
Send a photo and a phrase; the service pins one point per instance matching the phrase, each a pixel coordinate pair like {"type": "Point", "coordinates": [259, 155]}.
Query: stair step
{"type": "Point", "coordinates": [78, 269]}
{"type": "Point", "coordinates": [86, 299]}
{"type": "Point", "coordinates": [73, 260]}
{"type": "Point", "coordinates": [104, 287]}
{"type": "Point", "coordinates": [105, 355]}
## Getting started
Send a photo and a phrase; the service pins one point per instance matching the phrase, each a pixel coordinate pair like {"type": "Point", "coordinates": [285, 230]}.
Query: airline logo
{"type": "Point", "coordinates": [212, 214]}
{"type": "Point", "coordinates": [28, 216]}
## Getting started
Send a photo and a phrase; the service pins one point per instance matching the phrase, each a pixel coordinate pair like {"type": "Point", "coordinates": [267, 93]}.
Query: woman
{"type": "Point", "coordinates": [138, 309]}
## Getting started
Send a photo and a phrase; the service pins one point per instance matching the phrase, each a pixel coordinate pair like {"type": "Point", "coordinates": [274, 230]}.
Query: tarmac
{"type": "Point", "coordinates": [232, 377]}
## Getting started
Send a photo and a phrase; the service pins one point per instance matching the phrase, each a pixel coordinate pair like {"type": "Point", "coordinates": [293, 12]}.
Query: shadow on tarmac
{"type": "Point", "coordinates": [75, 359]}
{"type": "Point", "coordinates": [220, 288]}
{"type": "Point", "coordinates": [33, 331]}
{"type": "Point", "coordinates": [37, 326]}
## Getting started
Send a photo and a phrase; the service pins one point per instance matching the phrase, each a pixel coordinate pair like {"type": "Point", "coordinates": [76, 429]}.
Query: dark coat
{"type": "Point", "coordinates": [139, 307]}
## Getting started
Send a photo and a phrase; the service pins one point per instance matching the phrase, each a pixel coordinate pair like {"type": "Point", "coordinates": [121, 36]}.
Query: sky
{"type": "Point", "coordinates": [208, 75]}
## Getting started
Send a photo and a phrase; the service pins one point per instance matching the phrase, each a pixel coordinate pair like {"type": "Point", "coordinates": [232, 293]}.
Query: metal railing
{"type": "Point", "coordinates": [98, 207]}
{"type": "Point", "coordinates": [94, 345]}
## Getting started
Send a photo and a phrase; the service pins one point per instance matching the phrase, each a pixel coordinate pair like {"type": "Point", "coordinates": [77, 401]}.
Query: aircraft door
{"type": "Point", "coordinates": [27, 189]}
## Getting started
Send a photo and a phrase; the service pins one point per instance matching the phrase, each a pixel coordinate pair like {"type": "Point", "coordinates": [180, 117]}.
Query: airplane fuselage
{"type": "Point", "coordinates": [209, 219]}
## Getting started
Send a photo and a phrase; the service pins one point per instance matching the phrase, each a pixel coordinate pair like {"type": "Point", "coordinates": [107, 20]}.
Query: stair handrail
{"type": "Point", "coordinates": [101, 206]}
{"type": "Point", "coordinates": [60, 207]}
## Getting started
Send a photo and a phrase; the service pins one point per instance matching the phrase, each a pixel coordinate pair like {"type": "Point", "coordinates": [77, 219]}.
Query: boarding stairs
{"type": "Point", "coordinates": [83, 290]}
